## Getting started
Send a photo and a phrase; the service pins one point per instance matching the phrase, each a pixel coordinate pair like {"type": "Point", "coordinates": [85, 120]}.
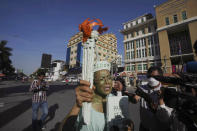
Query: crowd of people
{"type": "Point", "coordinates": [155, 115]}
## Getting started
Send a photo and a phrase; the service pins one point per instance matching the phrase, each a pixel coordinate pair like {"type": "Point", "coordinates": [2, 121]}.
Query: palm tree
{"type": "Point", "coordinates": [5, 62]}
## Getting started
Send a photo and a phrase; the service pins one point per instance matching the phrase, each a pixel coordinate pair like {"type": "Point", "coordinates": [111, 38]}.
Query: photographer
{"type": "Point", "coordinates": [39, 99]}
{"type": "Point", "coordinates": [182, 120]}
{"type": "Point", "coordinates": [154, 114]}
{"type": "Point", "coordinates": [119, 86]}
{"type": "Point", "coordinates": [192, 67]}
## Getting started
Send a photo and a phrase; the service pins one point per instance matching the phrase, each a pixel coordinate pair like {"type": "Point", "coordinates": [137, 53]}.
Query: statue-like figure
{"type": "Point", "coordinates": [87, 26]}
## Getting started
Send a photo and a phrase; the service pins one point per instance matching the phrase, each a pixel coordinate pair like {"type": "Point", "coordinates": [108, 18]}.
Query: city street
{"type": "Point", "coordinates": [139, 43]}
{"type": "Point", "coordinates": [15, 106]}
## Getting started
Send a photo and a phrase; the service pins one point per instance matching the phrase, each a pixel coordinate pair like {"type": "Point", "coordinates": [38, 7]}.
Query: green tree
{"type": "Point", "coordinates": [5, 62]}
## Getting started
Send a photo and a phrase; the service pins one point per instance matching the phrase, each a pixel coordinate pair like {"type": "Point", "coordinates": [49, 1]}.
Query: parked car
{"type": "Point", "coordinates": [71, 80]}
{"type": "Point", "coordinates": [47, 79]}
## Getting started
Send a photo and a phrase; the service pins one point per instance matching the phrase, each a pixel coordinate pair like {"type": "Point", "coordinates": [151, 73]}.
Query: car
{"type": "Point", "coordinates": [71, 80]}
{"type": "Point", "coordinates": [48, 79]}
{"type": "Point", "coordinates": [74, 80]}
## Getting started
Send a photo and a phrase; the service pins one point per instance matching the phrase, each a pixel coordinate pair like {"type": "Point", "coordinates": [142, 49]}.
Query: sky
{"type": "Point", "coordinates": [34, 27]}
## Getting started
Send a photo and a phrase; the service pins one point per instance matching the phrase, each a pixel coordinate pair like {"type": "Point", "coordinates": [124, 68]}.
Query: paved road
{"type": "Point", "coordinates": [15, 106]}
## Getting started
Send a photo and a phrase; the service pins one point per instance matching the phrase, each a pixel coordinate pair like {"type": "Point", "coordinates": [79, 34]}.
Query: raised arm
{"type": "Point", "coordinates": [83, 94]}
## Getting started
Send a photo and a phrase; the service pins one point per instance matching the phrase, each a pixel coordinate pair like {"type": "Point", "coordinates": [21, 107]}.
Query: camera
{"type": "Point", "coordinates": [183, 102]}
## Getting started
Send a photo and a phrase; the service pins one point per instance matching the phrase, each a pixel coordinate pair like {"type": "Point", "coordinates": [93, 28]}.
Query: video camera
{"type": "Point", "coordinates": [183, 102]}
{"type": "Point", "coordinates": [152, 100]}
{"type": "Point", "coordinates": [185, 80]}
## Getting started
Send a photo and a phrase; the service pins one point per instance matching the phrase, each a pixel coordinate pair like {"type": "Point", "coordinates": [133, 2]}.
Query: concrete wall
{"type": "Point", "coordinates": [165, 49]}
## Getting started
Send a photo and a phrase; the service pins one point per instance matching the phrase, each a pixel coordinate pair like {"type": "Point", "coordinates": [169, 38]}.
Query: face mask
{"type": "Point", "coordinates": [153, 82]}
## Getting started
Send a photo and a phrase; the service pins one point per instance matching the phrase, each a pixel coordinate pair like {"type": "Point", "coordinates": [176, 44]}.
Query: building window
{"type": "Point", "coordinates": [183, 40]}
{"type": "Point", "coordinates": [140, 42]}
{"type": "Point", "coordinates": [143, 53]}
{"type": "Point", "coordinates": [132, 45]}
{"type": "Point", "coordinates": [175, 18]}
{"type": "Point", "coordinates": [137, 33]}
{"type": "Point", "coordinates": [131, 54]}
{"type": "Point", "coordinates": [143, 42]}
{"type": "Point", "coordinates": [133, 67]}
{"type": "Point", "coordinates": [126, 26]}
{"type": "Point", "coordinates": [127, 55]}
{"type": "Point", "coordinates": [184, 15]}
{"type": "Point", "coordinates": [152, 64]}
{"type": "Point", "coordinates": [167, 21]}
{"type": "Point", "coordinates": [149, 29]}
{"type": "Point", "coordinates": [136, 22]}
{"type": "Point", "coordinates": [149, 40]}
{"type": "Point", "coordinates": [149, 52]}
{"type": "Point", "coordinates": [128, 68]}
{"type": "Point", "coordinates": [132, 34]}
{"type": "Point", "coordinates": [145, 67]}
{"type": "Point", "coordinates": [140, 53]}
{"type": "Point", "coordinates": [137, 53]}
{"type": "Point", "coordinates": [137, 43]}
{"type": "Point", "coordinates": [129, 45]}
{"type": "Point", "coordinates": [143, 31]}
{"type": "Point", "coordinates": [153, 52]}
{"type": "Point", "coordinates": [156, 51]}
{"type": "Point", "coordinates": [139, 67]}
{"type": "Point", "coordinates": [142, 20]}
